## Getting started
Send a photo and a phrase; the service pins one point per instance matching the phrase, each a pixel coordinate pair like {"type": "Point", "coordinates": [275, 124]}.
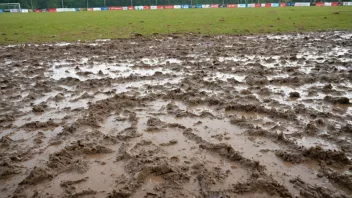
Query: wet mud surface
{"type": "Point", "coordinates": [178, 116]}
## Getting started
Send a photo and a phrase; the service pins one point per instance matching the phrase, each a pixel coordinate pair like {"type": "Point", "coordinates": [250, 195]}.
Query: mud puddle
{"type": "Point", "coordinates": [179, 116]}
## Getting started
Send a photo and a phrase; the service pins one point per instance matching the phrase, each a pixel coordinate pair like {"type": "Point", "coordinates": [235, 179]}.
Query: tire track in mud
{"type": "Point", "coordinates": [180, 116]}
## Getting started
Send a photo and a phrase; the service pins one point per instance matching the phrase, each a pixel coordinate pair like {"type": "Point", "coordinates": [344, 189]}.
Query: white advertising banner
{"type": "Point", "coordinates": [300, 4]}
{"type": "Point", "coordinates": [66, 9]}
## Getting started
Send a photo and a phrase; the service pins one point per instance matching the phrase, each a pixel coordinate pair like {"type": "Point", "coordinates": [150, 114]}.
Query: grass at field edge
{"type": "Point", "coordinates": [86, 26]}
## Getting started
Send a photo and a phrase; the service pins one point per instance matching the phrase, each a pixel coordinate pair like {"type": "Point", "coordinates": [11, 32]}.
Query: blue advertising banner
{"type": "Point", "coordinates": [77, 9]}
{"type": "Point", "coordinates": [199, 6]}
{"type": "Point", "coordinates": [104, 8]}
{"type": "Point", "coordinates": [185, 6]}
{"type": "Point", "coordinates": [1, 10]}
{"type": "Point", "coordinates": [275, 5]}
{"type": "Point", "coordinates": [138, 7]}
{"type": "Point", "coordinates": [290, 4]}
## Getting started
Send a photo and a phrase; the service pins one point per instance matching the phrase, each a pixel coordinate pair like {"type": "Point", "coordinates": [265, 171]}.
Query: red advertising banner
{"type": "Point", "coordinates": [89, 9]}
{"type": "Point", "coordinates": [319, 4]}
{"type": "Point", "coordinates": [51, 9]}
{"type": "Point", "coordinates": [160, 7]}
{"type": "Point", "coordinates": [146, 7]}
{"type": "Point", "coordinates": [257, 5]}
{"type": "Point", "coordinates": [169, 7]}
{"type": "Point", "coordinates": [268, 5]}
{"type": "Point", "coordinates": [214, 6]}
{"type": "Point", "coordinates": [282, 4]}
{"type": "Point", "coordinates": [334, 3]}
{"type": "Point", "coordinates": [130, 7]}
{"type": "Point", "coordinates": [115, 8]}
{"type": "Point", "coordinates": [38, 10]}
{"type": "Point", "coordinates": [232, 5]}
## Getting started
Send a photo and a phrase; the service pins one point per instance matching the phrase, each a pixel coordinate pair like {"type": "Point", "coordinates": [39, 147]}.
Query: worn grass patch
{"type": "Point", "coordinates": [53, 27]}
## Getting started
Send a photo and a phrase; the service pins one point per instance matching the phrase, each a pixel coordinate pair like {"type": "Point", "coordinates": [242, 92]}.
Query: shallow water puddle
{"type": "Point", "coordinates": [155, 179]}
{"type": "Point", "coordinates": [313, 141]}
{"type": "Point", "coordinates": [160, 61]}
{"type": "Point", "coordinates": [95, 70]}
{"type": "Point", "coordinates": [224, 76]}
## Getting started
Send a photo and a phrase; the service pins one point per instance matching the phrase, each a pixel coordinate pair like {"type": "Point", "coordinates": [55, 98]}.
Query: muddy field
{"type": "Point", "coordinates": [178, 116]}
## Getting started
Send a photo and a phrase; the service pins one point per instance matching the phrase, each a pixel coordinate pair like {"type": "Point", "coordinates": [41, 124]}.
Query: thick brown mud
{"type": "Point", "coordinates": [178, 116]}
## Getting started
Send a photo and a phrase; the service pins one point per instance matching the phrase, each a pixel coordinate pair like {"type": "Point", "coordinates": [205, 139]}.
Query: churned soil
{"type": "Point", "coordinates": [178, 116]}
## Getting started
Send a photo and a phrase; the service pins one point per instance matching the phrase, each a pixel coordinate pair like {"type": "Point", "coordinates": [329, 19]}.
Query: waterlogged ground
{"type": "Point", "coordinates": [178, 116]}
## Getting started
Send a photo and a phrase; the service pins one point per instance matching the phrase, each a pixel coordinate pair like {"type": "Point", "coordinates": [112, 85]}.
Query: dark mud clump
{"type": "Point", "coordinates": [329, 156]}
{"type": "Point", "coordinates": [39, 108]}
{"type": "Point", "coordinates": [337, 100]}
{"type": "Point", "coordinates": [66, 160]}
{"type": "Point", "coordinates": [128, 133]}
{"type": "Point", "coordinates": [295, 158]}
{"type": "Point", "coordinates": [37, 124]}
{"type": "Point", "coordinates": [171, 142]}
{"type": "Point", "coordinates": [308, 190]}
{"type": "Point", "coordinates": [311, 129]}
{"type": "Point", "coordinates": [37, 175]}
{"type": "Point", "coordinates": [294, 95]}
{"type": "Point", "coordinates": [7, 169]}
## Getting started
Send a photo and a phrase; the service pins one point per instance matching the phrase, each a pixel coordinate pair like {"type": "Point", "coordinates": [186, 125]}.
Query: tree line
{"type": "Point", "coordinates": [35, 4]}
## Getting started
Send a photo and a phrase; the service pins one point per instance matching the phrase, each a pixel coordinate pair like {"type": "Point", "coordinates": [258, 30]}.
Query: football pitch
{"type": "Point", "coordinates": [55, 27]}
{"type": "Point", "coordinates": [182, 103]}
